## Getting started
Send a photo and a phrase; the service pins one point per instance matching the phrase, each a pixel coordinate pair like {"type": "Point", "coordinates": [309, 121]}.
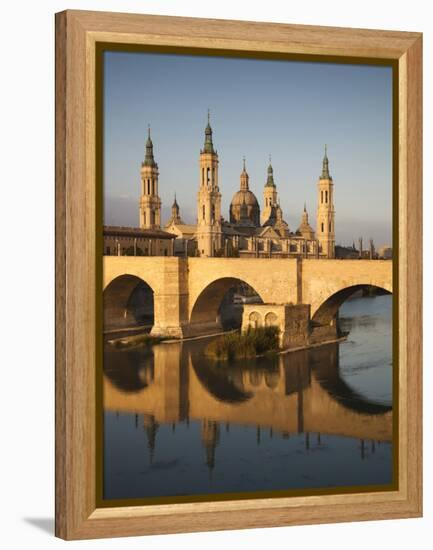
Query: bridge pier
{"type": "Point", "coordinates": [294, 322]}
{"type": "Point", "coordinates": [325, 332]}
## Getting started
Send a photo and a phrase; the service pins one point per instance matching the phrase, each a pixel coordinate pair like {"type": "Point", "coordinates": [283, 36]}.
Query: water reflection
{"type": "Point", "coordinates": [294, 420]}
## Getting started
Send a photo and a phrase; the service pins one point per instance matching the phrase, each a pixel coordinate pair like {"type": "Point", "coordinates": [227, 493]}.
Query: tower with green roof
{"type": "Point", "coordinates": [325, 230]}
{"type": "Point", "coordinates": [209, 233]}
{"type": "Point", "coordinates": [270, 195]}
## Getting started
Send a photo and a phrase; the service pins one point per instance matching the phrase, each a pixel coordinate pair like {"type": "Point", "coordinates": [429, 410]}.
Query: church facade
{"type": "Point", "coordinates": [250, 231]}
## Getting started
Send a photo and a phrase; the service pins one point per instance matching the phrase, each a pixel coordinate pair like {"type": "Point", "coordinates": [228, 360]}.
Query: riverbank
{"type": "Point", "coordinates": [338, 340]}
{"type": "Point", "coordinates": [234, 336]}
{"type": "Point", "coordinates": [138, 340]}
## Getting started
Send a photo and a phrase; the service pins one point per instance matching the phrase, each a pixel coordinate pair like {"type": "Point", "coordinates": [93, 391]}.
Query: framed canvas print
{"type": "Point", "coordinates": [238, 274]}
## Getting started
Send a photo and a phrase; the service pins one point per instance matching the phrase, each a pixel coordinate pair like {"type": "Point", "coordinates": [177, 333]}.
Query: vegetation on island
{"type": "Point", "coordinates": [244, 345]}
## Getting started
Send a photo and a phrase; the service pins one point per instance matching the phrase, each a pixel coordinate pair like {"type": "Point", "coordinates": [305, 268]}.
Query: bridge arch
{"type": "Point", "coordinates": [206, 308]}
{"type": "Point", "coordinates": [129, 372]}
{"type": "Point", "coordinates": [128, 302]}
{"type": "Point", "coordinates": [327, 311]}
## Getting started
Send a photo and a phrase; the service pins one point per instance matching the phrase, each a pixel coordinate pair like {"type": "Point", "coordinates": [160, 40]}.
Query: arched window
{"type": "Point", "coordinates": [323, 227]}
{"type": "Point", "coordinates": [202, 176]}
{"type": "Point", "coordinates": [321, 196]}
{"type": "Point", "coordinates": [148, 187]}
{"type": "Point", "coordinates": [330, 227]}
{"type": "Point", "coordinates": [271, 320]}
{"type": "Point", "coordinates": [326, 196]}
{"type": "Point", "coordinates": [213, 213]}
{"type": "Point", "coordinates": [204, 211]}
{"type": "Point", "coordinates": [208, 176]}
{"type": "Point", "coordinates": [255, 319]}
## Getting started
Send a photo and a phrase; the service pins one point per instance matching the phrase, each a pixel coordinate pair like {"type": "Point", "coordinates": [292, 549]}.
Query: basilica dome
{"type": "Point", "coordinates": [245, 206]}
{"type": "Point", "coordinates": [244, 196]}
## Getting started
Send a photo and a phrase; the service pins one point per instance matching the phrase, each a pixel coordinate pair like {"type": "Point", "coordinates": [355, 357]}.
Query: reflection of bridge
{"type": "Point", "coordinates": [301, 392]}
{"type": "Point", "coordinates": [187, 292]}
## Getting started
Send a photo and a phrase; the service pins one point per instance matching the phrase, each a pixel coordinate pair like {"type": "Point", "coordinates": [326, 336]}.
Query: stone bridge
{"type": "Point", "coordinates": [187, 292]}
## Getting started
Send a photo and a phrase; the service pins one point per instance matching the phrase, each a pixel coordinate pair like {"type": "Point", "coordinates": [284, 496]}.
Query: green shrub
{"type": "Point", "coordinates": [244, 345]}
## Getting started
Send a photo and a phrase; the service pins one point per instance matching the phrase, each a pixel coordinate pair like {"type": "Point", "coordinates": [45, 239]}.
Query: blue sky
{"type": "Point", "coordinates": [258, 107]}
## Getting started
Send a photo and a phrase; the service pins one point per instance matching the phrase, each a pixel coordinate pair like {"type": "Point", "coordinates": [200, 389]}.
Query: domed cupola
{"type": "Point", "coordinates": [244, 205]}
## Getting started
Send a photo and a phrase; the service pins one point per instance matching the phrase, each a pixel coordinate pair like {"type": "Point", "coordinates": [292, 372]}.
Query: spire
{"type": "Point", "coordinates": [304, 215]}
{"type": "Point", "coordinates": [279, 213]}
{"type": "Point", "coordinates": [208, 145]}
{"type": "Point", "coordinates": [305, 229]}
{"type": "Point", "coordinates": [151, 428]}
{"type": "Point", "coordinates": [270, 181]}
{"type": "Point", "coordinates": [244, 178]}
{"type": "Point", "coordinates": [175, 213]}
{"type": "Point", "coordinates": [148, 159]}
{"type": "Point", "coordinates": [210, 439]}
{"type": "Point", "coordinates": [325, 167]}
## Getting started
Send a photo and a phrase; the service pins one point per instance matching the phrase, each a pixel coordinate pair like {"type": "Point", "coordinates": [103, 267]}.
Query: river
{"type": "Point", "coordinates": [177, 424]}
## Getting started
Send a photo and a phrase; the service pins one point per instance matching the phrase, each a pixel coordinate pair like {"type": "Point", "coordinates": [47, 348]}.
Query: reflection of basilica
{"type": "Point", "coordinates": [294, 393]}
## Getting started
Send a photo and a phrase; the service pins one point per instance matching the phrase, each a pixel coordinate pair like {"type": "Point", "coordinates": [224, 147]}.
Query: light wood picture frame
{"type": "Point", "coordinates": [79, 295]}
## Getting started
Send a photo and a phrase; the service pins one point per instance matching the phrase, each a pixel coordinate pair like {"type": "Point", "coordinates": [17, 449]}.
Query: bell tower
{"type": "Point", "coordinates": [270, 194]}
{"type": "Point", "coordinates": [209, 235]}
{"type": "Point", "coordinates": [325, 231]}
{"type": "Point", "coordinates": [150, 203]}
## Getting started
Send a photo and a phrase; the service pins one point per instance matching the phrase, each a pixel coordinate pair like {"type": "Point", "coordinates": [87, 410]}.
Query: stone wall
{"type": "Point", "coordinates": [292, 320]}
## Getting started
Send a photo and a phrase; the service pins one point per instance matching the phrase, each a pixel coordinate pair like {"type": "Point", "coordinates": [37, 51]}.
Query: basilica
{"type": "Point", "coordinates": [249, 232]}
